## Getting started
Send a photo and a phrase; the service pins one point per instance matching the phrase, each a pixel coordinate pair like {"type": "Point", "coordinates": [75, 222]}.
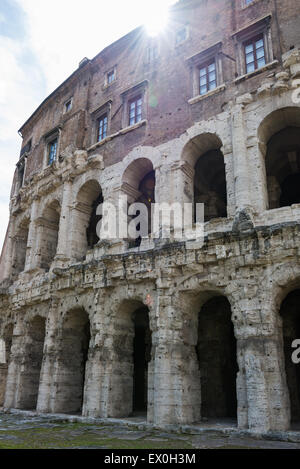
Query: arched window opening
{"type": "Point", "coordinates": [73, 358]}
{"type": "Point", "coordinates": [50, 229]}
{"type": "Point", "coordinates": [216, 350]}
{"type": "Point", "coordinates": [20, 248]}
{"type": "Point", "coordinates": [32, 363]}
{"type": "Point", "coordinates": [147, 197]}
{"type": "Point", "coordinates": [203, 155]}
{"type": "Point", "coordinates": [210, 185]}
{"type": "Point", "coordinates": [141, 358]}
{"type": "Point", "coordinates": [290, 313]}
{"type": "Point", "coordinates": [283, 168]}
{"type": "Point", "coordinates": [86, 219]}
{"type": "Point", "coordinates": [139, 186]}
{"type": "Point", "coordinates": [91, 231]}
{"type": "Point", "coordinates": [132, 355]}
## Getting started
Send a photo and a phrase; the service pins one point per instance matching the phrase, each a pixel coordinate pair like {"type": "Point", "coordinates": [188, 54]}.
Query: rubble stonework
{"type": "Point", "coordinates": [104, 328]}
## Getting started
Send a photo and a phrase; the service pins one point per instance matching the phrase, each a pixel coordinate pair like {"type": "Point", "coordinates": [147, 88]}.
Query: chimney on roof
{"type": "Point", "coordinates": [83, 62]}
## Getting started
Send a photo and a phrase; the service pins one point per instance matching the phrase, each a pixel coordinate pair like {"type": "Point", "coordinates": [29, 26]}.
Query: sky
{"type": "Point", "coordinates": [41, 44]}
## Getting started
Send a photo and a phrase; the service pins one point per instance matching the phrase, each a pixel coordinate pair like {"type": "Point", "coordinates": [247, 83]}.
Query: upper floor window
{"type": "Point", "coordinates": [135, 110]}
{"type": "Point", "coordinates": [206, 71]}
{"type": "Point", "coordinates": [111, 76]}
{"type": "Point", "coordinates": [135, 101]}
{"type": "Point", "coordinates": [208, 77]}
{"type": "Point", "coordinates": [254, 47]}
{"type": "Point", "coordinates": [152, 53]}
{"type": "Point", "coordinates": [68, 105]}
{"type": "Point", "coordinates": [181, 35]}
{"type": "Point", "coordinates": [52, 151]}
{"type": "Point", "coordinates": [255, 55]}
{"type": "Point", "coordinates": [102, 128]}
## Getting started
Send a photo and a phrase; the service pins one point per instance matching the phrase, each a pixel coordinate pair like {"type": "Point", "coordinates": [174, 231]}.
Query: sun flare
{"type": "Point", "coordinates": [156, 19]}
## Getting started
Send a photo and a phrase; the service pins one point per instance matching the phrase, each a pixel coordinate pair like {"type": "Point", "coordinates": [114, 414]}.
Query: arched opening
{"type": "Point", "coordinates": [20, 248]}
{"type": "Point", "coordinates": [139, 186]}
{"type": "Point", "coordinates": [203, 154]}
{"type": "Point", "coordinates": [85, 236]}
{"type": "Point", "coordinates": [290, 313]}
{"type": "Point", "coordinates": [50, 229]}
{"type": "Point", "coordinates": [283, 168]}
{"type": "Point", "coordinates": [141, 358]}
{"type": "Point", "coordinates": [73, 358]}
{"type": "Point", "coordinates": [5, 351]}
{"type": "Point", "coordinates": [132, 345]}
{"type": "Point", "coordinates": [279, 143]}
{"type": "Point", "coordinates": [216, 350]}
{"type": "Point", "coordinates": [32, 363]}
{"type": "Point", "coordinates": [210, 185]}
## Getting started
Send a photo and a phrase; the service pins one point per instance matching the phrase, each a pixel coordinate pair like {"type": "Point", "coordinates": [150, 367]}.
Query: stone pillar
{"type": "Point", "coordinates": [263, 401]}
{"type": "Point", "coordinates": [63, 253]}
{"type": "Point", "coordinates": [47, 388]}
{"type": "Point", "coordinates": [230, 186]}
{"type": "Point", "coordinates": [240, 161]}
{"type": "Point", "coordinates": [98, 369]}
{"type": "Point", "coordinates": [176, 376]}
{"type": "Point", "coordinates": [9, 248]}
{"type": "Point", "coordinates": [15, 366]}
{"type": "Point", "coordinates": [32, 260]}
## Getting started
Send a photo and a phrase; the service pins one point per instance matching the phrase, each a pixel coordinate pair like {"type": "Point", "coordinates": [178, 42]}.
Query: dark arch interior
{"type": "Point", "coordinates": [216, 350]}
{"type": "Point", "coordinates": [290, 312]}
{"type": "Point", "coordinates": [141, 358]}
{"type": "Point", "coordinates": [74, 355]}
{"type": "Point", "coordinates": [283, 168]}
{"type": "Point", "coordinates": [147, 197]}
{"type": "Point", "coordinates": [210, 184]}
{"type": "Point", "coordinates": [91, 231]}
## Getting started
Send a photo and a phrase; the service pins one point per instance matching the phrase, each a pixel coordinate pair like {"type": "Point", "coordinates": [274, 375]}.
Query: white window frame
{"type": "Point", "coordinates": [70, 100]}
{"type": "Point", "coordinates": [213, 53]}
{"type": "Point", "coordinates": [140, 89]}
{"type": "Point", "coordinates": [263, 26]}
{"type": "Point", "coordinates": [114, 70]}
{"type": "Point", "coordinates": [187, 30]}
{"type": "Point", "coordinates": [96, 115]}
{"type": "Point", "coordinates": [49, 138]}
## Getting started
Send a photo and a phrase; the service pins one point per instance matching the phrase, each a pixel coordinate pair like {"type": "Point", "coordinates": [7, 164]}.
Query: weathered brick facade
{"type": "Point", "coordinates": [106, 329]}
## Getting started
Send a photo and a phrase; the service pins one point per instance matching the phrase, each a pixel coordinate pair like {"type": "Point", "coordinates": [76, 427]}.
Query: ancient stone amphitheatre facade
{"type": "Point", "coordinates": [206, 112]}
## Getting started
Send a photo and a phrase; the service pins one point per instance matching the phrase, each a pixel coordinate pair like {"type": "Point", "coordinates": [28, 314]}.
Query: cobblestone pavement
{"type": "Point", "coordinates": [22, 431]}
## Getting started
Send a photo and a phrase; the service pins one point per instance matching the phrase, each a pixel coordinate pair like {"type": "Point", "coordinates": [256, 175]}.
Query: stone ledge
{"type": "Point", "coordinates": [201, 97]}
{"type": "Point", "coordinates": [120, 132]}
{"type": "Point", "coordinates": [256, 72]}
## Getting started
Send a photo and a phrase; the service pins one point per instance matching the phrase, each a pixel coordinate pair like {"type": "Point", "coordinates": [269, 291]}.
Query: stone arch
{"type": "Point", "coordinates": [279, 139]}
{"type": "Point", "coordinates": [28, 387]}
{"type": "Point", "coordinates": [85, 219]}
{"type": "Point", "coordinates": [132, 353]}
{"type": "Point", "coordinates": [203, 153]}
{"type": "Point", "coordinates": [290, 314]}
{"type": "Point", "coordinates": [138, 184]}
{"type": "Point", "coordinates": [72, 361]}
{"type": "Point", "coordinates": [5, 345]}
{"type": "Point", "coordinates": [20, 241]}
{"type": "Point", "coordinates": [49, 225]}
{"type": "Point", "coordinates": [208, 331]}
